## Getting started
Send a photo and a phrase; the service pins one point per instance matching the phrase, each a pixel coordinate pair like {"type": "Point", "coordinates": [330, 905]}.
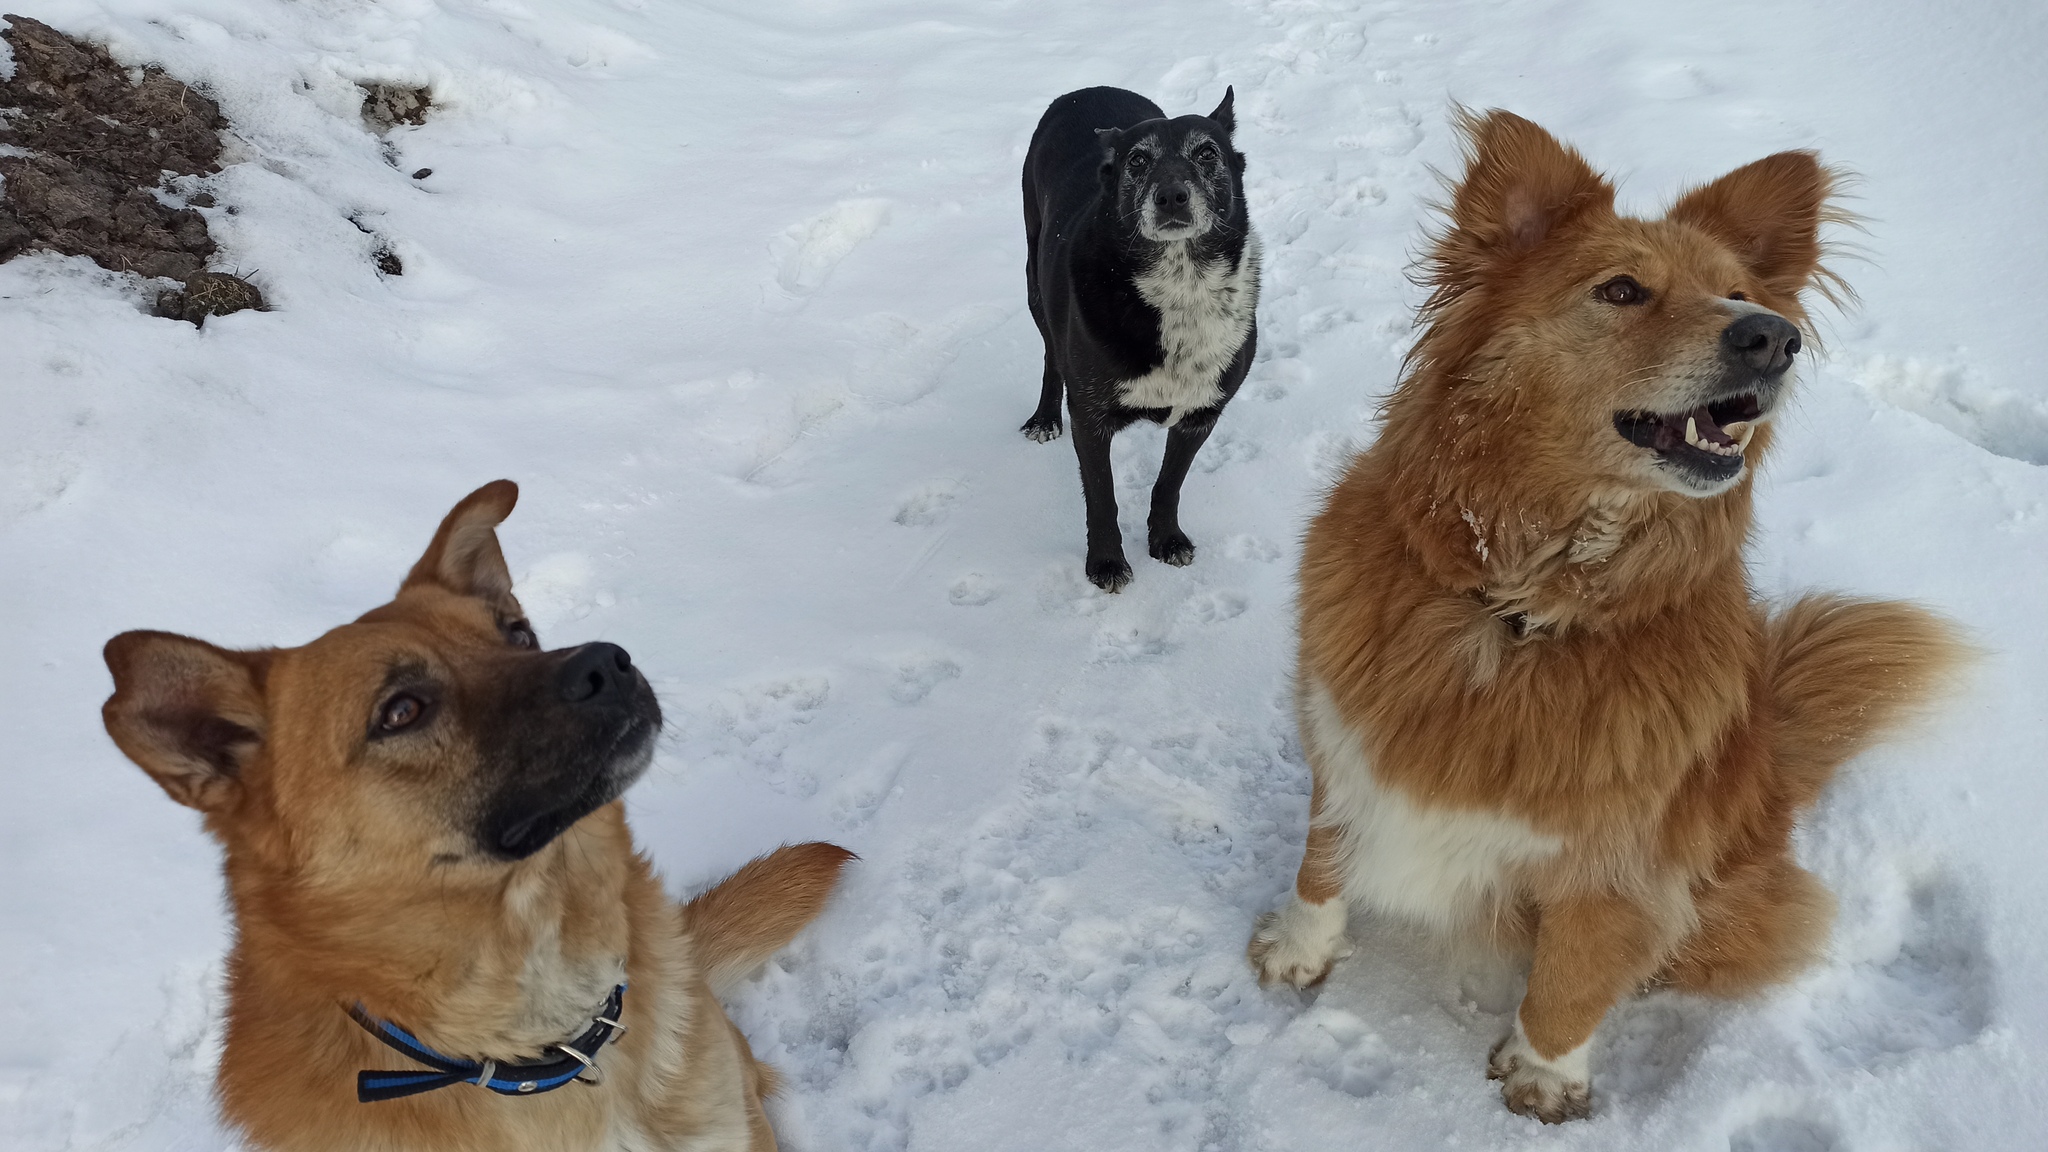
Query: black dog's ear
{"type": "Point", "coordinates": [1109, 138]}
{"type": "Point", "coordinates": [1224, 114]}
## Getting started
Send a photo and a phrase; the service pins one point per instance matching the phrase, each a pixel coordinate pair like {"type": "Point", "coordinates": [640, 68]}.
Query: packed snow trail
{"type": "Point", "coordinates": [735, 292]}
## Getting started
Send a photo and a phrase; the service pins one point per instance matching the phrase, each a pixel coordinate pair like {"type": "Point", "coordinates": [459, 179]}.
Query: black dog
{"type": "Point", "coordinates": [1143, 277]}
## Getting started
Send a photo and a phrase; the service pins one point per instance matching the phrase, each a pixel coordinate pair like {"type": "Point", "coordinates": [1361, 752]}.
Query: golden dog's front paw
{"type": "Point", "coordinates": [1552, 1091]}
{"type": "Point", "coordinates": [1300, 943]}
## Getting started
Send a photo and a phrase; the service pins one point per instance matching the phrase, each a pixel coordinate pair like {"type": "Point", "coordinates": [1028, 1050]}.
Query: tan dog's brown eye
{"type": "Point", "coordinates": [520, 633]}
{"type": "Point", "coordinates": [399, 713]}
{"type": "Point", "coordinates": [1738, 296]}
{"type": "Point", "coordinates": [1622, 290]}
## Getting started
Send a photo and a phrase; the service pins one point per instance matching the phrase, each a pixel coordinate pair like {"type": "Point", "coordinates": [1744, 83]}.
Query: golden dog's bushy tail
{"type": "Point", "coordinates": [749, 916]}
{"type": "Point", "coordinates": [1843, 673]}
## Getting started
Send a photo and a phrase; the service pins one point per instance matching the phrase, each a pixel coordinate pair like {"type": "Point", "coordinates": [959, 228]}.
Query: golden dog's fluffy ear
{"type": "Point", "coordinates": [1520, 186]}
{"type": "Point", "coordinates": [188, 713]}
{"type": "Point", "coordinates": [1769, 214]}
{"type": "Point", "coordinates": [464, 557]}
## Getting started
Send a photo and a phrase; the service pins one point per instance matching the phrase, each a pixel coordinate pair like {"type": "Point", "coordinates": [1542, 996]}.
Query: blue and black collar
{"type": "Point", "coordinates": [577, 1062]}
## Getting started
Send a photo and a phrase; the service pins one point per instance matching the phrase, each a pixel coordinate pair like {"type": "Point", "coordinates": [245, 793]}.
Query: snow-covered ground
{"type": "Point", "coordinates": [734, 290]}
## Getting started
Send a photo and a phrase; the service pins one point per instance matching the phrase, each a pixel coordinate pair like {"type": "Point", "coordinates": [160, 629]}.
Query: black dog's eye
{"type": "Point", "coordinates": [1139, 161]}
{"type": "Point", "coordinates": [520, 635]}
{"type": "Point", "coordinates": [399, 713]}
{"type": "Point", "coordinates": [1622, 290]}
{"type": "Point", "coordinates": [1738, 296]}
{"type": "Point", "coordinates": [1206, 154]}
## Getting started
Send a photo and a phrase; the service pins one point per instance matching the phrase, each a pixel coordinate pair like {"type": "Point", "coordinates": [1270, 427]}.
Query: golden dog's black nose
{"type": "Point", "coordinates": [1765, 342]}
{"type": "Point", "coordinates": [596, 674]}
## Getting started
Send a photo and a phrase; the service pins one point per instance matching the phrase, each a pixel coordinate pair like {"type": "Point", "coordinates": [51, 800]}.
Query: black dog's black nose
{"type": "Point", "coordinates": [1173, 196]}
{"type": "Point", "coordinates": [595, 673]}
{"type": "Point", "coordinates": [1763, 341]}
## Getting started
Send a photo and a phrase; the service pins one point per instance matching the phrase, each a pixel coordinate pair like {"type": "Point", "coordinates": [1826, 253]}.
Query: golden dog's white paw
{"type": "Point", "coordinates": [1299, 943]}
{"type": "Point", "coordinates": [1552, 1091]}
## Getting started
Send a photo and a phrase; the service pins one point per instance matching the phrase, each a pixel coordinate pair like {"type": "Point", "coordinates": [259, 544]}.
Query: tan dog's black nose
{"type": "Point", "coordinates": [596, 674]}
{"type": "Point", "coordinates": [1763, 341]}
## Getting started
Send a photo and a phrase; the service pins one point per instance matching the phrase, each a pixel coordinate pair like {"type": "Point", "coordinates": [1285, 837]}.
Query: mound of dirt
{"type": "Point", "coordinates": [386, 106]}
{"type": "Point", "coordinates": [98, 139]}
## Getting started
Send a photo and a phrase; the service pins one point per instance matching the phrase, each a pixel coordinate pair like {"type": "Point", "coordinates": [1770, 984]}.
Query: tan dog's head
{"type": "Point", "coordinates": [432, 731]}
{"type": "Point", "coordinates": [1633, 354]}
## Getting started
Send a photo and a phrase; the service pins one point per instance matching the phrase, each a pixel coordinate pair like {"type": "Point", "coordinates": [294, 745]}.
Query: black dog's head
{"type": "Point", "coordinates": [1175, 179]}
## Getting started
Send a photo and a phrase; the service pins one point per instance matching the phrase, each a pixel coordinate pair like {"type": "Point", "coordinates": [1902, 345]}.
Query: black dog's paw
{"type": "Point", "coordinates": [1109, 574]}
{"type": "Point", "coordinates": [1042, 428]}
{"type": "Point", "coordinates": [1173, 548]}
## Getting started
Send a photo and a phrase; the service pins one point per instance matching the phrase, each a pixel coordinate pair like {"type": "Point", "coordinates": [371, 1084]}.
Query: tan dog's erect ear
{"type": "Point", "coordinates": [1520, 186]}
{"type": "Point", "coordinates": [464, 556]}
{"type": "Point", "coordinates": [1770, 213]}
{"type": "Point", "coordinates": [189, 713]}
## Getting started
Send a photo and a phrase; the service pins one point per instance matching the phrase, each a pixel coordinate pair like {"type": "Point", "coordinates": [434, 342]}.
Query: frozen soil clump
{"type": "Point", "coordinates": [386, 106]}
{"type": "Point", "coordinates": [98, 138]}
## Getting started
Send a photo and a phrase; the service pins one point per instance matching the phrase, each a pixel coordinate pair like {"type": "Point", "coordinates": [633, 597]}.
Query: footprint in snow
{"type": "Point", "coordinates": [1784, 1134]}
{"type": "Point", "coordinates": [1187, 82]}
{"type": "Point", "coordinates": [1389, 132]}
{"type": "Point", "coordinates": [1125, 642]}
{"type": "Point", "coordinates": [1672, 81]}
{"type": "Point", "coordinates": [972, 591]}
{"type": "Point", "coordinates": [916, 676]}
{"type": "Point", "coordinates": [1214, 607]}
{"type": "Point", "coordinates": [929, 504]}
{"type": "Point", "coordinates": [861, 793]}
{"type": "Point", "coordinates": [1341, 1050]}
{"type": "Point", "coordinates": [1997, 420]}
{"type": "Point", "coordinates": [557, 589]}
{"type": "Point", "coordinates": [1254, 548]}
{"type": "Point", "coordinates": [1225, 449]}
{"type": "Point", "coordinates": [806, 253]}
{"type": "Point", "coordinates": [1931, 991]}
{"type": "Point", "coordinates": [1649, 1043]}
{"type": "Point", "coordinates": [754, 727]}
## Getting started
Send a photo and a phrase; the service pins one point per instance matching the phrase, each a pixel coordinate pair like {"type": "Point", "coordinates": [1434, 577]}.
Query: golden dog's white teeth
{"type": "Point", "coordinates": [1742, 430]}
{"type": "Point", "coordinates": [1692, 432]}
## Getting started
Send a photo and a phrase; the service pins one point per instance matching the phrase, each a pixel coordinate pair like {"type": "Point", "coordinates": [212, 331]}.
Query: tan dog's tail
{"type": "Point", "coordinates": [1843, 673]}
{"type": "Point", "coordinates": [748, 916]}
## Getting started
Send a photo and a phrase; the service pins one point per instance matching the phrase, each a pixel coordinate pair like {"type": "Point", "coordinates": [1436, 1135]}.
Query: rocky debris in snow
{"type": "Point", "coordinates": [98, 138]}
{"type": "Point", "coordinates": [386, 106]}
{"type": "Point", "coordinates": [208, 294]}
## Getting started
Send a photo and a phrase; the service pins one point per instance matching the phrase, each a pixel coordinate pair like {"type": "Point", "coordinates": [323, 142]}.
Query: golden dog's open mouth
{"type": "Point", "coordinates": [1707, 441]}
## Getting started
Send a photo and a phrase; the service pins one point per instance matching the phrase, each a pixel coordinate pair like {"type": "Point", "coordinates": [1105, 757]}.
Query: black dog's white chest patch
{"type": "Point", "coordinates": [1206, 308]}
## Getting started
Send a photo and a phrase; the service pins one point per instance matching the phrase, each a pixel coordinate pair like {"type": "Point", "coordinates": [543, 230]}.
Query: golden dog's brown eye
{"type": "Point", "coordinates": [400, 712]}
{"type": "Point", "coordinates": [520, 634]}
{"type": "Point", "coordinates": [1738, 295]}
{"type": "Point", "coordinates": [1622, 290]}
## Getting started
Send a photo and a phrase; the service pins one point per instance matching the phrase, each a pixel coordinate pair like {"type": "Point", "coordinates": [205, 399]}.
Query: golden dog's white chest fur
{"type": "Point", "coordinates": [1441, 867]}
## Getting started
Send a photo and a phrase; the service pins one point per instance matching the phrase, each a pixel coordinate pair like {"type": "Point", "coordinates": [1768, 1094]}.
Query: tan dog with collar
{"type": "Point", "coordinates": [421, 821]}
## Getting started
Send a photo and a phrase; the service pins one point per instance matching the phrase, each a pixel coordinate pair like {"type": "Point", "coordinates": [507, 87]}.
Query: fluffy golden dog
{"type": "Point", "coordinates": [1536, 692]}
{"type": "Point", "coordinates": [425, 851]}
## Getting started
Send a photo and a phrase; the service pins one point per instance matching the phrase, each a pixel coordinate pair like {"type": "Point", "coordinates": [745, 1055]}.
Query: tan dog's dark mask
{"type": "Point", "coordinates": [432, 731]}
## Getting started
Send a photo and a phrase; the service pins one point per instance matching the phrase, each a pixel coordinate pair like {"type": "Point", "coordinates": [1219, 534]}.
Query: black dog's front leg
{"type": "Point", "coordinates": [1164, 538]}
{"type": "Point", "coordinates": [1044, 424]}
{"type": "Point", "coordinates": [1107, 569]}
